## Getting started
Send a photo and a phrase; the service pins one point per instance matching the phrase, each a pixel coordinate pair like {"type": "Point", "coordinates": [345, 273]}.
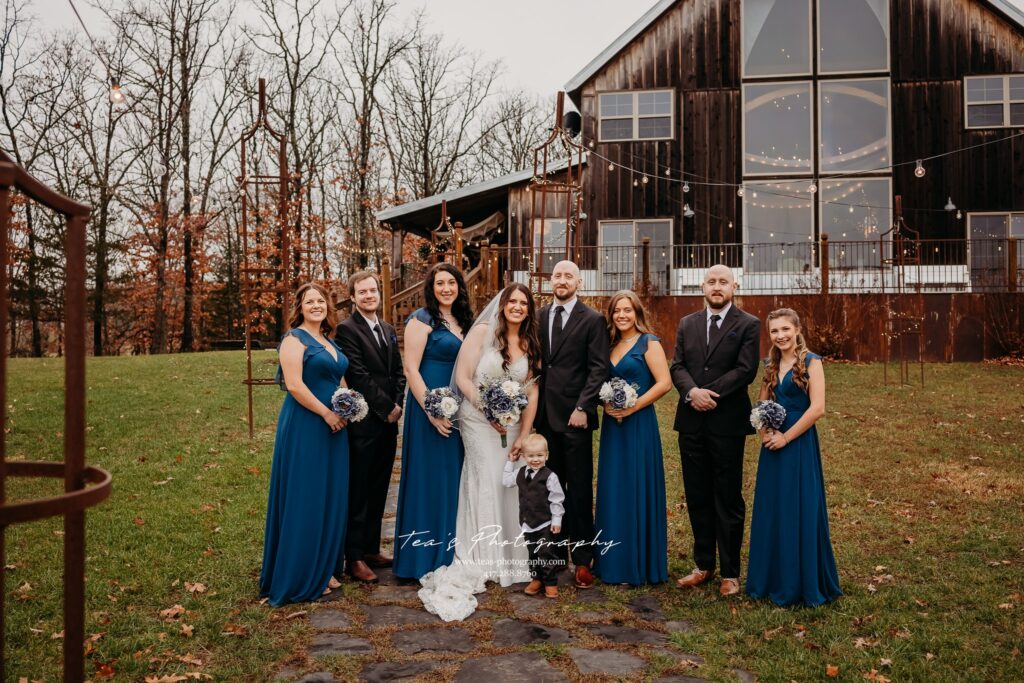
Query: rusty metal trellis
{"type": "Point", "coordinates": [904, 310]}
{"type": "Point", "coordinates": [77, 496]}
{"type": "Point", "coordinates": [568, 190]}
{"type": "Point", "coordinates": [281, 273]}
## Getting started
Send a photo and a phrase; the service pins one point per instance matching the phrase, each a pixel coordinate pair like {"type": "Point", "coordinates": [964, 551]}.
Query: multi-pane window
{"type": "Point", "coordinates": [636, 115]}
{"type": "Point", "coordinates": [776, 38]}
{"type": "Point", "coordinates": [779, 227]}
{"type": "Point", "coordinates": [853, 36]}
{"type": "Point", "coordinates": [554, 244]}
{"type": "Point", "coordinates": [621, 260]}
{"type": "Point", "coordinates": [994, 101]}
{"type": "Point", "coordinates": [854, 125]}
{"type": "Point", "coordinates": [854, 214]}
{"type": "Point", "coordinates": [777, 128]}
{"type": "Point", "coordinates": [989, 246]}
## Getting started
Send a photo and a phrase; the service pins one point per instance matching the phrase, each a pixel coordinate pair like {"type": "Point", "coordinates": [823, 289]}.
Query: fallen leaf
{"type": "Point", "coordinates": [872, 588]}
{"type": "Point", "coordinates": [909, 540]}
{"type": "Point", "coordinates": [235, 630]}
{"type": "Point", "coordinates": [885, 661]}
{"type": "Point", "coordinates": [879, 568]}
{"type": "Point", "coordinates": [873, 675]}
{"type": "Point", "coordinates": [105, 669]}
{"type": "Point", "coordinates": [831, 670]}
{"type": "Point", "coordinates": [1006, 605]}
{"type": "Point", "coordinates": [929, 656]}
{"type": "Point", "coordinates": [252, 470]}
{"type": "Point", "coordinates": [57, 636]}
{"type": "Point", "coordinates": [172, 613]}
{"type": "Point", "coordinates": [186, 629]}
{"type": "Point", "coordinates": [861, 643]}
{"type": "Point", "coordinates": [189, 659]}
{"type": "Point", "coordinates": [768, 634]}
{"type": "Point", "coordinates": [138, 521]}
{"type": "Point", "coordinates": [296, 614]}
{"type": "Point", "coordinates": [195, 587]}
{"type": "Point", "coordinates": [1015, 652]}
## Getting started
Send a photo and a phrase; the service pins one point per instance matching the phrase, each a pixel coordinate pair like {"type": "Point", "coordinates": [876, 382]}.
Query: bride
{"type": "Point", "coordinates": [489, 546]}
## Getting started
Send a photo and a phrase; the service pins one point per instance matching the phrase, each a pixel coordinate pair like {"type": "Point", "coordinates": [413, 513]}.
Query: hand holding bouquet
{"type": "Point", "coordinates": [441, 403]}
{"type": "Point", "coordinates": [767, 415]}
{"type": "Point", "coordinates": [619, 394]}
{"type": "Point", "coordinates": [502, 401]}
{"type": "Point", "coordinates": [349, 404]}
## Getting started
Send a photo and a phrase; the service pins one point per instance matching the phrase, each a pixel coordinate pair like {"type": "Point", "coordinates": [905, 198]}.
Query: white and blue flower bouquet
{"type": "Point", "coordinates": [441, 403]}
{"type": "Point", "coordinates": [349, 404]}
{"type": "Point", "coordinates": [767, 415]}
{"type": "Point", "coordinates": [619, 394]}
{"type": "Point", "coordinates": [502, 401]}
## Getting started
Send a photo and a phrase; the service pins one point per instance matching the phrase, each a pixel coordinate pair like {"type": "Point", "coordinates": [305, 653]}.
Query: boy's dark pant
{"type": "Point", "coordinates": [545, 560]}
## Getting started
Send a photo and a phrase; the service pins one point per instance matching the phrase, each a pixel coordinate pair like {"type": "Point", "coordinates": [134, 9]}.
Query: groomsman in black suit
{"type": "Point", "coordinates": [574, 344]}
{"type": "Point", "coordinates": [716, 359]}
{"type": "Point", "coordinates": [375, 371]}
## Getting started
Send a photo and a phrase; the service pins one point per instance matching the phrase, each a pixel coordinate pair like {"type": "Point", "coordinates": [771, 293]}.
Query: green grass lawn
{"type": "Point", "coordinates": [925, 492]}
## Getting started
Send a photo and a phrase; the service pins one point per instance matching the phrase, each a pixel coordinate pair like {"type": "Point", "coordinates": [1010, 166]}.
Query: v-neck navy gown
{"type": "Point", "coordinates": [308, 501]}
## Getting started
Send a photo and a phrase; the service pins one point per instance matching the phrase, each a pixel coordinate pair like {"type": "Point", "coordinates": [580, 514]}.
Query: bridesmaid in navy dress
{"type": "Point", "coordinates": [308, 500]}
{"type": "Point", "coordinates": [791, 557]}
{"type": "Point", "coordinates": [428, 493]}
{"type": "Point", "coordinates": [630, 472]}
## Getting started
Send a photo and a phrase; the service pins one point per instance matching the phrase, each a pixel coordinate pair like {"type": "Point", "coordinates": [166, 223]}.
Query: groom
{"type": "Point", "coordinates": [574, 345]}
{"type": "Point", "coordinates": [715, 361]}
{"type": "Point", "coordinates": [375, 371]}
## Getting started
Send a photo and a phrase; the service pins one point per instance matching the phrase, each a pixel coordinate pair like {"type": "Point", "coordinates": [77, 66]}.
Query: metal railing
{"type": "Point", "coordinates": [851, 267]}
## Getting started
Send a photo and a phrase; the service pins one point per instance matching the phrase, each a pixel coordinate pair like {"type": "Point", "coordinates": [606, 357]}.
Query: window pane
{"type": "Point", "coordinates": [616, 256]}
{"type": "Point", "coordinates": [779, 224]}
{"type": "Point", "coordinates": [985, 115]}
{"type": "Point", "coordinates": [1017, 87]}
{"type": "Point", "coordinates": [988, 256]}
{"type": "Point", "coordinates": [617, 104]}
{"type": "Point", "coordinates": [776, 37]}
{"type": "Point", "coordinates": [660, 233]}
{"type": "Point", "coordinates": [777, 128]}
{"type": "Point", "coordinates": [617, 129]}
{"type": "Point", "coordinates": [554, 244]}
{"type": "Point", "coordinates": [1017, 225]}
{"type": "Point", "coordinates": [854, 211]}
{"type": "Point", "coordinates": [985, 89]}
{"type": "Point", "coordinates": [655, 128]}
{"type": "Point", "coordinates": [854, 35]}
{"type": "Point", "coordinates": [1017, 114]}
{"type": "Point", "coordinates": [653, 103]}
{"type": "Point", "coordinates": [854, 125]}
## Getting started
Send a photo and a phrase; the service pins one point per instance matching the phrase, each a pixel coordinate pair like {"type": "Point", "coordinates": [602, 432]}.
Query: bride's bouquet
{"type": "Point", "coordinates": [619, 393]}
{"type": "Point", "coordinates": [441, 403]}
{"type": "Point", "coordinates": [502, 401]}
{"type": "Point", "coordinates": [349, 404]}
{"type": "Point", "coordinates": [767, 415]}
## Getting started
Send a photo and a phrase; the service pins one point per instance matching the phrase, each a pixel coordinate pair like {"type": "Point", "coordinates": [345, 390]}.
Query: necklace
{"type": "Point", "coordinates": [623, 341]}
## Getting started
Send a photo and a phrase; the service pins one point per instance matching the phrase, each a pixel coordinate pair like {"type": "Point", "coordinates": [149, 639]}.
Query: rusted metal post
{"type": "Point", "coordinates": [1011, 265]}
{"type": "Point", "coordinates": [458, 244]}
{"type": "Point", "coordinates": [824, 264]}
{"type": "Point", "coordinates": [485, 267]}
{"type": "Point", "coordinates": [645, 268]}
{"type": "Point", "coordinates": [385, 283]}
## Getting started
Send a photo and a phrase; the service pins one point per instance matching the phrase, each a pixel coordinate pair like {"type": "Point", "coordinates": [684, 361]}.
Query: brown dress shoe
{"type": "Point", "coordinates": [584, 579]}
{"type": "Point", "coordinates": [695, 578]}
{"type": "Point", "coordinates": [551, 592]}
{"type": "Point", "coordinates": [729, 587]}
{"type": "Point", "coordinates": [533, 588]}
{"type": "Point", "coordinates": [359, 571]}
{"type": "Point", "coordinates": [377, 561]}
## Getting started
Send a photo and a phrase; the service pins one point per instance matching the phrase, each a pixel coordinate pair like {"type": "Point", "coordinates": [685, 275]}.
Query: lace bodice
{"type": "Point", "coordinates": [490, 366]}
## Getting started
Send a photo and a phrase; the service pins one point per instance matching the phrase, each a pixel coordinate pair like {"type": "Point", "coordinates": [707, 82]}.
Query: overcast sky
{"type": "Point", "coordinates": [543, 43]}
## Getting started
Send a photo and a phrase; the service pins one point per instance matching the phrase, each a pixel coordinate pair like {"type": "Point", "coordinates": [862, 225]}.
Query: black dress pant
{"type": "Point", "coordinates": [713, 483]}
{"type": "Point", "coordinates": [546, 560]}
{"type": "Point", "coordinates": [571, 457]}
{"type": "Point", "coordinates": [371, 459]}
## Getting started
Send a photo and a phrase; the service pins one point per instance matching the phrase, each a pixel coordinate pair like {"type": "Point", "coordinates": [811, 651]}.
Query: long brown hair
{"type": "Point", "coordinates": [461, 309]}
{"type": "Point", "coordinates": [529, 340]}
{"type": "Point", "coordinates": [328, 324]}
{"type": "Point", "coordinates": [638, 308]}
{"type": "Point", "coordinates": [771, 369]}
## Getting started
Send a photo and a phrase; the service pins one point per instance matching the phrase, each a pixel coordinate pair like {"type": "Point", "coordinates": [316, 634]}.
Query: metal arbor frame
{"type": "Point", "coordinates": [904, 310]}
{"type": "Point", "coordinates": [254, 270]}
{"type": "Point", "coordinates": [571, 189]}
{"type": "Point", "coordinates": [77, 497]}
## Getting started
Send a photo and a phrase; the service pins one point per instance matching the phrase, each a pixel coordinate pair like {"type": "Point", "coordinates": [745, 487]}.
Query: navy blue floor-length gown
{"type": "Point", "coordinates": [308, 499]}
{"type": "Point", "coordinates": [791, 558]}
{"type": "Point", "coordinates": [428, 492]}
{"type": "Point", "coordinates": [630, 508]}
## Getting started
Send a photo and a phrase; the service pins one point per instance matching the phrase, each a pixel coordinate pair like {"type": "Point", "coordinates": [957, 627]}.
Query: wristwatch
{"type": "Point", "coordinates": [581, 409]}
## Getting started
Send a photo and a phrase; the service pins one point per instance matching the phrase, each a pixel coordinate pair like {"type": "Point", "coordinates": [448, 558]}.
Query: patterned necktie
{"type": "Point", "coordinates": [556, 326]}
{"type": "Point", "coordinates": [714, 330]}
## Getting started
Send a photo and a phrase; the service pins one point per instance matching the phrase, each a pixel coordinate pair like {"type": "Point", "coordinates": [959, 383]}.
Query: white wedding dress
{"type": "Point", "coordinates": [489, 545]}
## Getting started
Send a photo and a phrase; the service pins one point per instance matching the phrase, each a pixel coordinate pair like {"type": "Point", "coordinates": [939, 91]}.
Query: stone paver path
{"type": "Point", "coordinates": [382, 633]}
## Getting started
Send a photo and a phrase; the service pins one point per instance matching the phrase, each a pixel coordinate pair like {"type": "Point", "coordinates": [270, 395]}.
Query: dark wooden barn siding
{"type": "Point", "coordinates": [692, 48]}
{"type": "Point", "coordinates": [934, 44]}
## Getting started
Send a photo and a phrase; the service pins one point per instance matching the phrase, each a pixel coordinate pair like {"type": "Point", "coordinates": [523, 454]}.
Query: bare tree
{"type": "Point", "coordinates": [436, 95]}
{"type": "Point", "coordinates": [516, 124]}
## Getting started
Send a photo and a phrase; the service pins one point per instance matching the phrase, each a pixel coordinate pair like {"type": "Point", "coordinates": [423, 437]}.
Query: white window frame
{"type": "Point", "coordinates": [636, 116]}
{"type": "Point", "coordinates": [637, 265]}
{"type": "Point", "coordinates": [810, 129]}
{"type": "Point", "coordinates": [1006, 101]}
{"type": "Point", "coordinates": [888, 48]}
{"type": "Point", "coordinates": [810, 47]}
{"type": "Point", "coordinates": [1009, 220]}
{"type": "Point", "coordinates": [888, 122]}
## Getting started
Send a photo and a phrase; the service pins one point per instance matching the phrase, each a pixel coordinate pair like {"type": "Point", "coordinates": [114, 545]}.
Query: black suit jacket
{"type": "Point", "coordinates": [727, 368]}
{"type": "Point", "coordinates": [574, 371]}
{"type": "Point", "coordinates": [377, 375]}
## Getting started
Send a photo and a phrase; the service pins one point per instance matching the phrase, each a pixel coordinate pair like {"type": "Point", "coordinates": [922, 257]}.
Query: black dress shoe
{"type": "Point", "coordinates": [378, 561]}
{"type": "Point", "coordinates": [360, 572]}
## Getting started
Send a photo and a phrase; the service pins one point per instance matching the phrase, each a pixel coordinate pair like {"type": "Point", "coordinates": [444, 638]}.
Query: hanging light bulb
{"type": "Point", "coordinates": [635, 183]}
{"type": "Point", "coordinates": [668, 171]}
{"type": "Point", "coordinates": [730, 225]}
{"type": "Point", "coordinates": [919, 169]}
{"type": "Point", "coordinates": [740, 192]}
{"type": "Point", "coordinates": [812, 188]}
{"type": "Point", "coordinates": [644, 180]}
{"type": "Point", "coordinates": [687, 211]}
{"type": "Point", "coordinates": [591, 144]}
{"type": "Point", "coordinates": [851, 209]}
{"type": "Point", "coordinates": [950, 206]}
{"type": "Point", "coordinates": [116, 95]}
{"type": "Point", "coordinates": [686, 186]}
{"type": "Point", "coordinates": [611, 166]}
{"type": "Point", "coordinates": [958, 214]}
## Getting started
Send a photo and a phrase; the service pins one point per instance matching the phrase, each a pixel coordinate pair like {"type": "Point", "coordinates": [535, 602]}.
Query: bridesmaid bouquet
{"type": "Point", "coordinates": [767, 415]}
{"type": "Point", "coordinates": [441, 403]}
{"type": "Point", "coordinates": [619, 394]}
{"type": "Point", "coordinates": [349, 404]}
{"type": "Point", "coordinates": [502, 401]}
